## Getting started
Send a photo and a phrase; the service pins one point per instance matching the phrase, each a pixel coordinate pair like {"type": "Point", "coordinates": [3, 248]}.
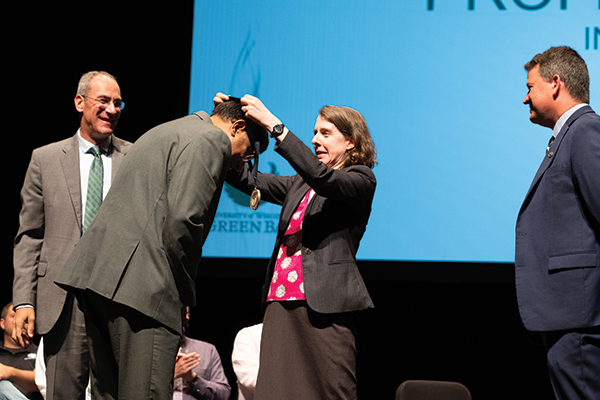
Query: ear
{"type": "Point", "coordinates": [2, 324]}
{"type": "Point", "coordinates": [349, 144]}
{"type": "Point", "coordinates": [239, 125]}
{"type": "Point", "coordinates": [556, 83]}
{"type": "Point", "coordinates": [79, 103]}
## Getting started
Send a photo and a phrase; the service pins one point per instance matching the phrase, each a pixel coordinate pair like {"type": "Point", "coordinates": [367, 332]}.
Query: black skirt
{"type": "Point", "coordinates": [306, 355]}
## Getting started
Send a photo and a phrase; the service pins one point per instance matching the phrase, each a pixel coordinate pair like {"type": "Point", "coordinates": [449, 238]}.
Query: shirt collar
{"type": "Point", "coordinates": [563, 118]}
{"type": "Point", "coordinates": [12, 350]}
{"type": "Point", "coordinates": [84, 145]}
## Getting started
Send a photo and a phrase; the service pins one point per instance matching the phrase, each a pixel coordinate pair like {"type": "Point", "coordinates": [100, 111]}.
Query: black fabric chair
{"type": "Point", "coordinates": [432, 390]}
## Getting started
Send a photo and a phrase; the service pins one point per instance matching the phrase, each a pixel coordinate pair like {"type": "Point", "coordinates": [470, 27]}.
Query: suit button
{"type": "Point", "coordinates": [308, 251]}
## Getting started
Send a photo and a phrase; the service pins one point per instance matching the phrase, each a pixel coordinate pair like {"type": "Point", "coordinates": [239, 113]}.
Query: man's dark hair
{"type": "Point", "coordinates": [231, 110]}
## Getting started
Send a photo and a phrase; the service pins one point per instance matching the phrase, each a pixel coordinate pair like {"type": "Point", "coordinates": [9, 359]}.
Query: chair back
{"type": "Point", "coordinates": [432, 390]}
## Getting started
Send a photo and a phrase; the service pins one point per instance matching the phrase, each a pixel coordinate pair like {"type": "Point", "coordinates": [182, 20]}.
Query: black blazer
{"type": "Point", "coordinates": [334, 222]}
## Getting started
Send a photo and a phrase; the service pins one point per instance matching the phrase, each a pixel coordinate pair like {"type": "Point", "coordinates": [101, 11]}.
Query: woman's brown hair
{"type": "Point", "coordinates": [353, 125]}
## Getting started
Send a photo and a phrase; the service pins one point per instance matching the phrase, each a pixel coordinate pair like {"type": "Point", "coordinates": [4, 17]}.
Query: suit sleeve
{"type": "Point", "coordinates": [585, 164]}
{"type": "Point", "coordinates": [353, 185]}
{"type": "Point", "coordinates": [30, 236]}
{"type": "Point", "coordinates": [273, 188]}
{"type": "Point", "coordinates": [212, 384]}
{"type": "Point", "coordinates": [194, 187]}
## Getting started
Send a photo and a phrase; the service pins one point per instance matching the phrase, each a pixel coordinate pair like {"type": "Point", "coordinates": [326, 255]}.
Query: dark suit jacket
{"type": "Point", "coordinates": [145, 244]}
{"type": "Point", "coordinates": [557, 260]}
{"type": "Point", "coordinates": [50, 225]}
{"type": "Point", "coordinates": [334, 222]}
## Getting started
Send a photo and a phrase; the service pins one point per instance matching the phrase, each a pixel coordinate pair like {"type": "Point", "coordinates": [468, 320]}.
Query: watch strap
{"type": "Point", "coordinates": [277, 130]}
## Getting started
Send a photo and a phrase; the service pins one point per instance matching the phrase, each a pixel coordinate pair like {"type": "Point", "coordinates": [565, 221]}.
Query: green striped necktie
{"type": "Point", "coordinates": [94, 191]}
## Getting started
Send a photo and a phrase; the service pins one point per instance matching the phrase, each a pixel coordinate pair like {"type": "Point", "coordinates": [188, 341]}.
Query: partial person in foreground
{"type": "Point", "coordinates": [134, 268]}
{"type": "Point", "coordinates": [557, 259]}
{"type": "Point", "coordinates": [313, 285]}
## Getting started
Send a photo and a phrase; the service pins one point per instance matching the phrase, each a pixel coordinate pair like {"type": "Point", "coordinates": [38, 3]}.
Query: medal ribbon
{"type": "Point", "coordinates": [255, 198]}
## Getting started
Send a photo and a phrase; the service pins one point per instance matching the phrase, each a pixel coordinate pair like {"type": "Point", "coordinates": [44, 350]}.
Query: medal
{"type": "Point", "coordinates": [255, 199]}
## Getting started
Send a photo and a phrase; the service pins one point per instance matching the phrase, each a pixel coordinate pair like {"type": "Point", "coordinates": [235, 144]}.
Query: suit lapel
{"type": "Point", "coordinates": [116, 158]}
{"type": "Point", "coordinates": [554, 149]}
{"type": "Point", "coordinates": [70, 166]}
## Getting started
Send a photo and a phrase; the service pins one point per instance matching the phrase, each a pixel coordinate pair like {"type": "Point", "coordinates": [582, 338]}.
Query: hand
{"type": "Point", "coordinates": [184, 365]}
{"type": "Point", "coordinates": [257, 111]}
{"type": "Point", "coordinates": [219, 98]}
{"type": "Point", "coordinates": [5, 372]}
{"type": "Point", "coordinates": [24, 326]}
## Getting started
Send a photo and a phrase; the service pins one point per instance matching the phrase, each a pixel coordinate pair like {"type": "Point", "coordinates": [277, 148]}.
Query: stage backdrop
{"type": "Point", "coordinates": [441, 85]}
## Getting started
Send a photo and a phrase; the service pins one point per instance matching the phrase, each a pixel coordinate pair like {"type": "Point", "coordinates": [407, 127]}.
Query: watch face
{"type": "Point", "coordinates": [278, 129]}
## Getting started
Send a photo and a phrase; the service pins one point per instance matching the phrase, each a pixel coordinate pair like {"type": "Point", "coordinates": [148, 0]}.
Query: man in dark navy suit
{"type": "Point", "coordinates": [557, 260]}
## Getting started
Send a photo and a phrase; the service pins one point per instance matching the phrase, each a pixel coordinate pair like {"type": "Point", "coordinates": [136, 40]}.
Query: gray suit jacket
{"type": "Point", "coordinates": [50, 225]}
{"type": "Point", "coordinates": [557, 260]}
{"type": "Point", "coordinates": [334, 222]}
{"type": "Point", "coordinates": [145, 244]}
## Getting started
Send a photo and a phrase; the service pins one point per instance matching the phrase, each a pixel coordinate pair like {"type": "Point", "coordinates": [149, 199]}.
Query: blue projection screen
{"type": "Point", "coordinates": [441, 85]}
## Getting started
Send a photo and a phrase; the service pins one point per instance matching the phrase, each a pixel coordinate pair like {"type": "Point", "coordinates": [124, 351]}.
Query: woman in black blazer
{"type": "Point", "coordinates": [313, 285]}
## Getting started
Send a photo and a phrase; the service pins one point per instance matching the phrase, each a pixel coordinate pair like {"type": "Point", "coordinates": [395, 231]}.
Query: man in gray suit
{"type": "Point", "coordinates": [134, 268]}
{"type": "Point", "coordinates": [50, 224]}
{"type": "Point", "coordinates": [557, 260]}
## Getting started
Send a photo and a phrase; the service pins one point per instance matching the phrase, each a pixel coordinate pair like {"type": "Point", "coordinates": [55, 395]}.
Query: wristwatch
{"type": "Point", "coordinates": [194, 380]}
{"type": "Point", "coordinates": [277, 130]}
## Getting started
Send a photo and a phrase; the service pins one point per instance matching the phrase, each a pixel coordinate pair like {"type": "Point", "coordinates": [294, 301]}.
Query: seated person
{"type": "Point", "coordinates": [245, 357]}
{"type": "Point", "coordinates": [17, 364]}
{"type": "Point", "coordinates": [198, 370]}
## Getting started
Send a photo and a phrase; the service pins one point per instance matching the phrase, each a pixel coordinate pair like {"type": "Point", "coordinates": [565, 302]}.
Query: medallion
{"type": "Point", "coordinates": [255, 199]}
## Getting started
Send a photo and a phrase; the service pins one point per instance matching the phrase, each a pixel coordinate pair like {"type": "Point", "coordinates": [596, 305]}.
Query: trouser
{"type": "Point", "coordinates": [132, 355]}
{"type": "Point", "coordinates": [66, 355]}
{"type": "Point", "coordinates": [574, 363]}
{"type": "Point", "coordinates": [8, 391]}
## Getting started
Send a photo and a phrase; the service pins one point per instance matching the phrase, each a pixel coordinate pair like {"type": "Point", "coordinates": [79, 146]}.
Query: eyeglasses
{"type": "Point", "coordinates": [104, 102]}
{"type": "Point", "coordinates": [247, 158]}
